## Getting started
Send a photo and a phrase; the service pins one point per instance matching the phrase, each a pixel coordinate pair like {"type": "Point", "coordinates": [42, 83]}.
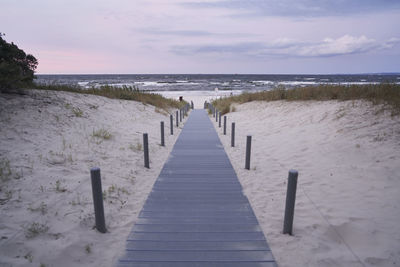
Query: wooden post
{"type": "Point", "coordinates": [162, 134]}
{"type": "Point", "coordinates": [248, 152]}
{"type": "Point", "coordinates": [171, 120]}
{"type": "Point", "coordinates": [233, 135]}
{"type": "Point", "coordinates": [224, 125]}
{"type": "Point", "coordinates": [290, 202]}
{"type": "Point", "coordinates": [146, 150]}
{"type": "Point", "coordinates": [98, 200]}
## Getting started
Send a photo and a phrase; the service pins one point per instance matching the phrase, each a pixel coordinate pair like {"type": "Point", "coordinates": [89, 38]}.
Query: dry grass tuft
{"type": "Point", "coordinates": [385, 93]}
{"type": "Point", "coordinates": [35, 229]}
{"type": "Point", "coordinates": [125, 92]}
{"type": "Point", "coordinates": [102, 133]}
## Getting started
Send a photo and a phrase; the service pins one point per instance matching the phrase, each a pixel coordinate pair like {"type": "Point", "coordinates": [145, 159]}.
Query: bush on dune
{"type": "Point", "coordinates": [16, 67]}
{"type": "Point", "coordinates": [17, 71]}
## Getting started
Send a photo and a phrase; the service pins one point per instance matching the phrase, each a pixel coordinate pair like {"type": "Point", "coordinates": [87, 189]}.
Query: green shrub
{"type": "Point", "coordinates": [16, 68]}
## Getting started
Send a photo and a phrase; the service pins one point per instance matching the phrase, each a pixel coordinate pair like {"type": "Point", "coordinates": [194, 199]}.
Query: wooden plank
{"type": "Point", "coordinates": [195, 236]}
{"type": "Point", "coordinates": [197, 245]}
{"type": "Point", "coordinates": [207, 228]}
{"type": "Point", "coordinates": [198, 256]}
{"type": "Point", "coordinates": [196, 213]}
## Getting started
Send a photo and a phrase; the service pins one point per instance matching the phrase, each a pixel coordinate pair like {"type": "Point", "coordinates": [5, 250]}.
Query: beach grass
{"type": "Point", "coordinates": [385, 93]}
{"type": "Point", "coordinates": [102, 133]}
{"type": "Point", "coordinates": [124, 92]}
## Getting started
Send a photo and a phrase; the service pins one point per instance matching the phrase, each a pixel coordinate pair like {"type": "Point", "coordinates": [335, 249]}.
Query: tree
{"type": "Point", "coordinates": [16, 68]}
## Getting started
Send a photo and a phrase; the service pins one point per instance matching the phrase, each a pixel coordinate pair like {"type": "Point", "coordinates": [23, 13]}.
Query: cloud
{"type": "Point", "coordinates": [341, 46]}
{"type": "Point", "coordinates": [286, 47]}
{"type": "Point", "coordinates": [297, 8]}
{"type": "Point", "coordinates": [191, 33]}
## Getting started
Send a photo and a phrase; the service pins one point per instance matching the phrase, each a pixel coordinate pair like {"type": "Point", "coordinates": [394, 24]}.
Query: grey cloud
{"type": "Point", "coordinates": [242, 48]}
{"type": "Point", "coordinates": [156, 31]}
{"type": "Point", "coordinates": [328, 47]}
{"type": "Point", "coordinates": [298, 8]}
{"type": "Point", "coordinates": [189, 33]}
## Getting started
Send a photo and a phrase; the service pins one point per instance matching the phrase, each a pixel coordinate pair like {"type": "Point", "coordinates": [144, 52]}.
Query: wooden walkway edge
{"type": "Point", "coordinates": [196, 213]}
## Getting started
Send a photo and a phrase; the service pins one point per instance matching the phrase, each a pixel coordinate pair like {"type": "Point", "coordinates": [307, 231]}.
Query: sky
{"type": "Point", "coordinates": [206, 36]}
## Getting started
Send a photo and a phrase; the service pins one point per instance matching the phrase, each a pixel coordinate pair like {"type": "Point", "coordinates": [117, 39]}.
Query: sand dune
{"type": "Point", "coordinates": [347, 154]}
{"type": "Point", "coordinates": [49, 141]}
{"type": "Point", "coordinates": [347, 207]}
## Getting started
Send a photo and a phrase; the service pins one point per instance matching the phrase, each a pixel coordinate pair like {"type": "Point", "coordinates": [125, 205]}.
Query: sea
{"type": "Point", "coordinates": [234, 83]}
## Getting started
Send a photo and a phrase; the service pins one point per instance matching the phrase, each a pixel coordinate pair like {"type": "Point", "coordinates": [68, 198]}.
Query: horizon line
{"type": "Point", "coordinates": [364, 73]}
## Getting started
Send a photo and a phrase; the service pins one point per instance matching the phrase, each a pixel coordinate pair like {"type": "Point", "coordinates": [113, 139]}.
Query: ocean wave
{"type": "Point", "coordinates": [188, 82]}
{"type": "Point", "coordinates": [263, 82]}
{"type": "Point", "coordinates": [83, 84]}
{"type": "Point", "coordinates": [297, 83]}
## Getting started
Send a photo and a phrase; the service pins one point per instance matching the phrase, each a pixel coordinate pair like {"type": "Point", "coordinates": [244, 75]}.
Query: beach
{"type": "Point", "coordinates": [198, 97]}
{"type": "Point", "coordinates": [346, 152]}
{"type": "Point", "coordinates": [49, 142]}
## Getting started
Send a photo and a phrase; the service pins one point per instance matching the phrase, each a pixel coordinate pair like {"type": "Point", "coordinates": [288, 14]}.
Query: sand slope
{"type": "Point", "coordinates": [47, 148]}
{"type": "Point", "coordinates": [347, 154]}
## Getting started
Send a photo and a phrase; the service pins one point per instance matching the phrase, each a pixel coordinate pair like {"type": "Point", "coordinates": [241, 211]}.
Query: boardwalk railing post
{"type": "Point", "coordinates": [146, 150]}
{"type": "Point", "coordinates": [216, 115]}
{"type": "Point", "coordinates": [290, 201]}
{"type": "Point", "coordinates": [219, 120]}
{"type": "Point", "coordinates": [213, 111]}
{"type": "Point", "coordinates": [248, 151]}
{"type": "Point", "coordinates": [224, 125]}
{"type": "Point", "coordinates": [98, 200]}
{"type": "Point", "coordinates": [233, 135]}
{"type": "Point", "coordinates": [180, 115]}
{"type": "Point", "coordinates": [171, 120]}
{"type": "Point", "coordinates": [192, 104]}
{"type": "Point", "coordinates": [162, 134]}
{"type": "Point", "coordinates": [177, 119]}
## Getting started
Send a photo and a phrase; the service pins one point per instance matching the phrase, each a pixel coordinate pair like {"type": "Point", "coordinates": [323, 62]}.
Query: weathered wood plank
{"type": "Point", "coordinates": [196, 213]}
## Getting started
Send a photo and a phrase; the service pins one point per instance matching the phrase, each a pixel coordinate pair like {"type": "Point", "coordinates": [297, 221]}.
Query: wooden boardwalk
{"type": "Point", "coordinates": [196, 214]}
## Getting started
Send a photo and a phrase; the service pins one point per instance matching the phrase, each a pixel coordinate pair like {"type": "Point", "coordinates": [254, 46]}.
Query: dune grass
{"type": "Point", "coordinates": [125, 92]}
{"type": "Point", "coordinates": [385, 93]}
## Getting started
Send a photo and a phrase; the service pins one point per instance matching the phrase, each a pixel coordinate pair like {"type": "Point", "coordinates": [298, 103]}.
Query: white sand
{"type": "Point", "coordinates": [50, 150]}
{"type": "Point", "coordinates": [198, 97]}
{"type": "Point", "coordinates": [347, 154]}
